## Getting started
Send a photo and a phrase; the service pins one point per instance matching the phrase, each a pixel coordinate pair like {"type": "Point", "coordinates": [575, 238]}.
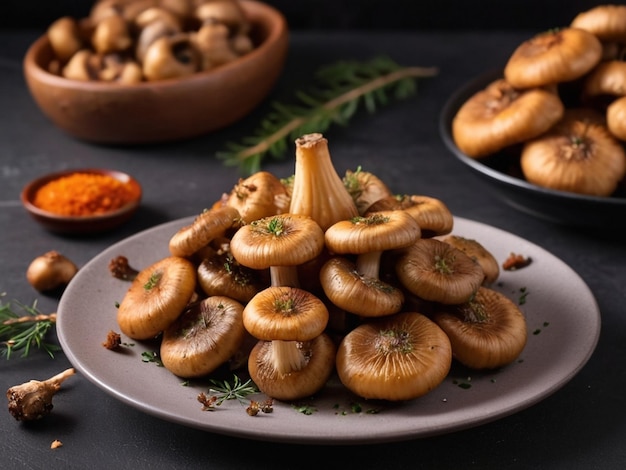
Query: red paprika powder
{"type": "Point", "coordinates": [84, 194]}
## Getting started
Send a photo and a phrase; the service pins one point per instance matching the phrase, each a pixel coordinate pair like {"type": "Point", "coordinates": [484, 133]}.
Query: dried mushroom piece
{"type": "Point", "coordinates": [33, 399]}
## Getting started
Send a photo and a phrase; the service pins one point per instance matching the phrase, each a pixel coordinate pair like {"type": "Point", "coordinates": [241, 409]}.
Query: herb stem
{"type": "Point", "coordinates": [31, 318]}
{"type": "Point", "coordinates": [330, 107]}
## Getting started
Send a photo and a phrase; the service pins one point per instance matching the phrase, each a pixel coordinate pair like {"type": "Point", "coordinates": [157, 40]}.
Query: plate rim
{"type": "Point", "coordinates": [268, 432]}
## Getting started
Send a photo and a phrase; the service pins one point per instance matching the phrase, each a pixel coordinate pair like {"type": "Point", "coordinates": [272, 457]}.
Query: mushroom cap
{"type": "Point", "coordinates": [354, 293]}
{"type": "Point", "coordinates": [432, 215]}
{"type": "Point", "coordinates": [286, 314]}
{"type": "Point", "coordinates": [379, 231]}
{"type": "Point", "coordinates": [320, 353]}
{"type": "Point", "coordinates": [203, 337]}
{"type": "Point", "coordinates": [500, 116]}
{"type": "Point", "coordinates": [578, 156]}
{"type": "Point", "coordinates": [607, 78]}
{"type": "Point", "coordinates": [439, 272]}
{"type": "Point", "coordinates": [259, 195]}
{"type": "Point", "coordinates": [606, 22]}
{"type": "Point", "coordinates": [487, 332]}
{"type": "Point", "coordinates": [399, 357]}
{"type": "Point", "coordinates": [279, 240]}
{"type": "Point", "coordinates": [365, 188]}
{"type": "Point", "coordinates": [553, 57]}
{"type": "Point", "coordinates": [475, 250]}
{"type": "Point", "coordinates": [616, 118]}
{"type": "Point", "coordinates": [207, 226]}
{"type": "Point", "coordinates": [156, 297]}
{"type": "Point", "coordinates": [220, 274]}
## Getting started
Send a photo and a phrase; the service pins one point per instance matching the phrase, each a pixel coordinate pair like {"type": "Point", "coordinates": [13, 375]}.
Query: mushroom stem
{"type": "Point", "coordinates": [284, 276]}
{"type": "Point", "coordinates": [287, 357]}
{"type": "Point", "coordinates": [318, 191]}
{"type": "Point", "coordinates": [368, 264]}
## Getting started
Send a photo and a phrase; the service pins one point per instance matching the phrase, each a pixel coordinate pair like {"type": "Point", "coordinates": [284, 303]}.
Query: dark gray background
{"type": "Point", "coordinates": [362, 14]}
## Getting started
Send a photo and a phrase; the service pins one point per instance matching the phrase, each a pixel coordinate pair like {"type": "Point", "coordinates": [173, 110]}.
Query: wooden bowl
{"type": "Point", "coordinates": [79, 225]}
{"type": "Point", "coordinates": [168, 110]}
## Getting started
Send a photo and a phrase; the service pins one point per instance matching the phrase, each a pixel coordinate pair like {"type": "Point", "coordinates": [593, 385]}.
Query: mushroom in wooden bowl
{"type": "Point", "coordinates": [177, 75]}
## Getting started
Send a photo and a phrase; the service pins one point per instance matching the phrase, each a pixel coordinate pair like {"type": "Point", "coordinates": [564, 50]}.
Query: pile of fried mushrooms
{"type": "Point", "coordinates": [130, 41]}
{"type": "Point", "coordinates": [293, 279]}
{"type": "Point", "coordinates": [562, 102]}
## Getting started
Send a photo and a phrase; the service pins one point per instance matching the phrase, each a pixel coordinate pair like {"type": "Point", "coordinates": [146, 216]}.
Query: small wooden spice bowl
{"type": "Point", "coordinates": [88, 223]}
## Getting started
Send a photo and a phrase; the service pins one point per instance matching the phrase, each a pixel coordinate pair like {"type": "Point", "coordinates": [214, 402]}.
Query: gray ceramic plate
{"type": "Point", "coordinates": [563, 323]}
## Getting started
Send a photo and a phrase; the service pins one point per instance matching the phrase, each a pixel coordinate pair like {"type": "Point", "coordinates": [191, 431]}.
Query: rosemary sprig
{"type": "Point", "coordinates": [237, 390]}
{"type": "Point", "coordinates": [339, 90]}
{"type": "Point", "coordinates": [21, 331]}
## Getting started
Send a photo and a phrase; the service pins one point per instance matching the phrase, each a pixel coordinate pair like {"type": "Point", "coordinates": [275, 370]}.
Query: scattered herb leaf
{"type": "Point", "coordinates": [151, 356]}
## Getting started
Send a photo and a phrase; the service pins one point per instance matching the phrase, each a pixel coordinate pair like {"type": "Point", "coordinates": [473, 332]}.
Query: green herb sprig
{"type": "Point", "coordinates": [237, 390]}
{"type": "Point", "coordinates": [23, 329]}
{"type": "Point", "coordinates": [336, 96]}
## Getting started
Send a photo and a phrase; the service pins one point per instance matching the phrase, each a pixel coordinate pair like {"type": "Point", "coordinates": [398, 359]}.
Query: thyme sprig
{"type": "Point", "coordinates": [224, 390]}
{"type": "Point", "coordinates": [23, 329]}
{"type": "Point", "coordinates": [334, 99]}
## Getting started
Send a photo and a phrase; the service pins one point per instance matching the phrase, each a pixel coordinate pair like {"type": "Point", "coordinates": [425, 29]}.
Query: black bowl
{"type": "Point", "coordinates": [502, 174]}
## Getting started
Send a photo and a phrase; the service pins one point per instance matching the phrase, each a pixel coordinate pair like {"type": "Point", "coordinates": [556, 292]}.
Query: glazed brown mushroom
{"type": "Point", "coordinates": [553, 57]}
{"type": "Point", "coordinates": [616, 118]}
{"type": "Point", "coordinates": [500, 116]}
{"type": "Point", "coordinates": [111, 34]}
{"type": "Point", "coordinates": [156, 297]}
{"type": "Point", "coordinates": [357, 287]}
{"type": "Point", "coordinates": [226, 12]}
{"type": "Point", "coordinates": [436, 271]}
{"type": "Point", "coordinates": [487, 332]}
{"type": "Point", "coordinates": [289, 323]}
{"type": "Point", "coordinates": [431, 214]}
{"type": "Point", "coordinates": [604, 83]}
{"type": "Point", "coordinates": [475, 250]}
{"type": "Point", "coordinates": [152, 24]}
{"type": "Point", "coordinates": [80, 67]}
{"type": "Point", "coordinates": [203, 337]}
{"type": "Point", "coordinates": [207, 226]}
{"type": "Point", "coordinates": [261, 194]}
{"type": "Point", "coordinates": [395, 358]}
{"type": "Point", "coordinates": [221, 274]}
{"type": "Point", "coordinates": [606, 22]}
{"type": "Point", "coordinates": [171, 57]}
{"type": "Point", "coordinates": [65, 38]}
{"type": "Point", "coordinates": [318, 191]}
{"type": "Point", "coordinates": [320, 356]}
{"type": "Point", "coordinates": [365, 188]}
{"type": "Point", "coordinates": [280, 243]}
{"type": "Point", "coordinates": [213, 42]}
{"type": "Point", "coordinates": [577, 156]}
